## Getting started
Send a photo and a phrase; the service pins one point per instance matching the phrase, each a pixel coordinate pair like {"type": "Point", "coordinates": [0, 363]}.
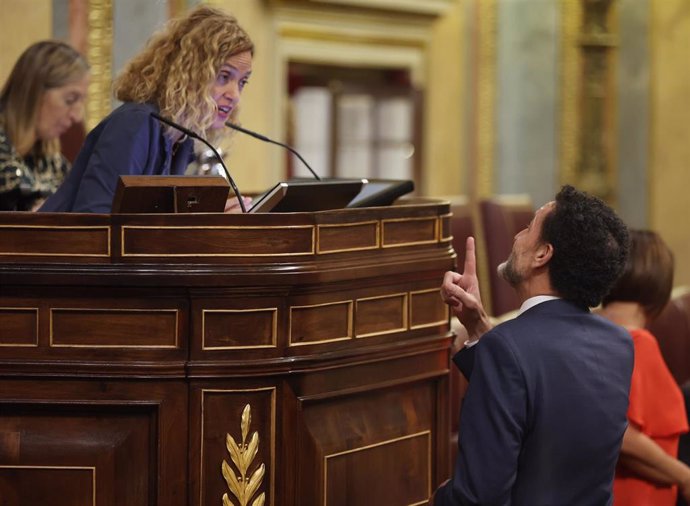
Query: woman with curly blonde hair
{"type": "Point", "coordinates": [192, 72]}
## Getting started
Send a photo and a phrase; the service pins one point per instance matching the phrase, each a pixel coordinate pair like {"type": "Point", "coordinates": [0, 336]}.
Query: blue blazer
{"type": "Point", "coordinates": [545, 411]}
{"type": "Point", "coordinates": [128, 141]}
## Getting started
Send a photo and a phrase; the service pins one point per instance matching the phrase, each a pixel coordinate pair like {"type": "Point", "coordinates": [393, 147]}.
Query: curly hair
{"type": "Point", "coordinates": [45, 65]}
{"type": "Point", "coordinates": [179, 64]}
{"type": "Point", "coordinates": [590, 246]}
{"type": "Point", "coordinates": [647, 278]}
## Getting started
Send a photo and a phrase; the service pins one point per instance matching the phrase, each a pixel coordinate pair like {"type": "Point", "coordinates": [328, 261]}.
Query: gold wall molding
{"type": "Point", "coordinates": [594, 166]}
{"type": "Point", "coordinates": [481, 131]}
{"type": "Point", "coordinates": [669, 150]}
{"type": "Point", "coordinates": [99, 55]}
{"type": "Point", "coordinates": [571, 70]}
{"type": "Point", "coordinates": [428, 7]}
{"type": "Point", "coordinates": [485, 97]}
{"type": "Point", "coordinates": [244, 486]}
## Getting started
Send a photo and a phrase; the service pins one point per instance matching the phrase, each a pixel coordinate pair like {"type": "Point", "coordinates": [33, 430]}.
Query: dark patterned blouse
{"type": "Point", "coordinates": [25, 182]}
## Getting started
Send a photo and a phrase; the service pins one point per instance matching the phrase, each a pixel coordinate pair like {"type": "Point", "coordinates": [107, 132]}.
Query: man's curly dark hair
{"type": "Point", "coordinates": [590, 246]}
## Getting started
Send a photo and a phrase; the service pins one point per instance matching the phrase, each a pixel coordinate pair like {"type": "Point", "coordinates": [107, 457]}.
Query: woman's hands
{"type": "Point", "coordinates": [232, 205]}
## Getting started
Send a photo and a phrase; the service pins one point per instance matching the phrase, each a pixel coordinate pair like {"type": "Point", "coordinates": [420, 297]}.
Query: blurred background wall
{"type": "Point", "coordinates": [466, 97]}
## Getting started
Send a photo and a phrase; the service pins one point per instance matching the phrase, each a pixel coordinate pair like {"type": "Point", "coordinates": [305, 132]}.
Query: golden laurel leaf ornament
{"type": "Point", "coordinates": [243, 487]}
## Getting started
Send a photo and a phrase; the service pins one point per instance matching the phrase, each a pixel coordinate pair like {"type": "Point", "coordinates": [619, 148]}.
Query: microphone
{"type": "Point", "coordinates": [191, 134]}
{"type": "Point", "coordinates": [266, 139]}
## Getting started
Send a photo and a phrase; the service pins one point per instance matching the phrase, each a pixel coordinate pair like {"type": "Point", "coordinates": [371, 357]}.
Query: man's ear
{"type": "Point", "coordinates": [543, 254]}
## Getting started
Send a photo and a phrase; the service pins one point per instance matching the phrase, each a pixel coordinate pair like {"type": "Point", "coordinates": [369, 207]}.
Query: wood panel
{"type": "Point", "coordinates": [18, 326]}
{"type": "Point", "coordinates": [126, 328]}
{"type": "Point", "coordinates": [348, 237]}
{"type": "Point", "coordinates": [55, 240]}
{"type": "Point", "coordinates": [317, 342]}
{"type": "Point", "coordinates": [225, 417]}
{"type": "Point", "coordinates": [381, 315]}
{"type": "Point", "coordinates": [107, 444]}
{"type": "Point", "coordinates": [320, 323]}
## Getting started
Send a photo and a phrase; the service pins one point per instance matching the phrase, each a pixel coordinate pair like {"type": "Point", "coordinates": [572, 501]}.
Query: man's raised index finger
{"type": "Point", "coordinates": [470, 261]}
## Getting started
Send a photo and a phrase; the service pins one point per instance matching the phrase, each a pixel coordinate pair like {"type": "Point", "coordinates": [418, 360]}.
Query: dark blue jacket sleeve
{"type": "Point", "coordinates": [123, 147]}
{"type": "Point", "coordinates": [464, 360]}
{"type": "Point", "coordinates": [492, 427]}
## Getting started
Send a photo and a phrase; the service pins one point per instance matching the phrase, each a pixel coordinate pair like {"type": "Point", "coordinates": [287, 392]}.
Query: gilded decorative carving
{"type": "Point", "coordinates": [243, 487]}
{"type": "Point", "coordinates": [594, 168]}
{"type": "Point", "coordinates": [482, 148]}
{"type": "Point", "coordinates": [571, 70]}
{"type": "Point", "coordinates": [99, 54]}
{"type": "Point", "coordinates": [486, 97]}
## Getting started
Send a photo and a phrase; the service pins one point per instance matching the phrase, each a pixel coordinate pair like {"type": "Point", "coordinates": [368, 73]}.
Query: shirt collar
{"type": "Point", "coordinates": [533, 301]}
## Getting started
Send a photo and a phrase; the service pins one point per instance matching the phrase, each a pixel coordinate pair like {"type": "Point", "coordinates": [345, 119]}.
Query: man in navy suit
{"type": "Point", "coordinates": [545, 410]}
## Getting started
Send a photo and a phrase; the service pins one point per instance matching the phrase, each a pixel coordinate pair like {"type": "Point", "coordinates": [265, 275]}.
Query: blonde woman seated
{"type": "Point", "coordinates": [41, 99]}
{"type": "Point", "coordinates": [648, 472]}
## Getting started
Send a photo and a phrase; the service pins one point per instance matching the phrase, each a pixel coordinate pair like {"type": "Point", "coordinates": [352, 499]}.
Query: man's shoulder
{"type": "Point", "coordinates": [563, 317]}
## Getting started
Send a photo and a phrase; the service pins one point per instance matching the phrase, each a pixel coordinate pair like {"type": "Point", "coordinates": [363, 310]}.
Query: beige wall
{"type": "Point", "coordinates": [440, 73]}
{"type": "Point", "coordinates": [22, 22]}
{"type": "Point", "coordinates": [670, 129]}
{"type": "Point", "coordinates": [249, 160]}
{"type": "Point", "coordinates": [444, 114]}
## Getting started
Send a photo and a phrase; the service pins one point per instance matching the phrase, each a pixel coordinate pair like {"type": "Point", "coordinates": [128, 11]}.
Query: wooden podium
{"type": "Point", "coordinates": [208, 359]}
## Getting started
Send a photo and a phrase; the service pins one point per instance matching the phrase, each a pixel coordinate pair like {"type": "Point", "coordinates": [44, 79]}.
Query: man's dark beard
{"type": "Point", "coordinates": [507, 271]}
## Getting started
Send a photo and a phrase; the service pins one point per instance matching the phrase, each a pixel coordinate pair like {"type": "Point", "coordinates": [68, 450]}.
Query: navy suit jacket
{"type": "Point", "coordinates": [545, 411]}
{"type": "Point", "coordinates": [129, 141]}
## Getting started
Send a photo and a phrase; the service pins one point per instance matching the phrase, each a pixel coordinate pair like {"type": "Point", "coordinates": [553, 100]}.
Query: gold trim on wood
{"type": "Point", "coordinates": [430, 324]}
{"type": "Point", "coordinates": [274, 328]}
{"type": "Point", "coordinates": [309, 251]}
{"type": "Point", "coordinates": [340, 225]}
{"type": "Point", "coordinates": [441, 237]}
{"type": "Point", "coordinates": [115, 310]}
{"type": "Point", "coordinates": [323, 341]}
{"type": "Point", "coordinates": [63, 468]}
{"type": "Point", "coordinates": [46, 227]}
{"type": "Point", "coordinates": [411, 243]}
{"type": "Point", "coordinates": [405, 316]}
{"type": "Point", "coordinates": [426, 433]}
{"type": "Point", "coordinates": [272, 391]}
{"type": "Point", "coordinates": [99, 55]}
{"type": "Point", "coordinates": [19, 345]}
{"type": "Point", "coordinates": [243, 487]}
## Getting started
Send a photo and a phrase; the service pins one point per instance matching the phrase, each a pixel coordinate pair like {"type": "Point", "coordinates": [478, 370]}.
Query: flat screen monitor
{"type": "Point", "coordinates": [381, 192]}
{"type": "Point", "coordinates": [307, 196]}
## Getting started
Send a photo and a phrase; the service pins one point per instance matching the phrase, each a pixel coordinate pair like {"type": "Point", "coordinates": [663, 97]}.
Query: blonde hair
{"type": "Point", "coordinates": [42, 66]}
{"type": "Point", "coordinates": [179, 64]}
